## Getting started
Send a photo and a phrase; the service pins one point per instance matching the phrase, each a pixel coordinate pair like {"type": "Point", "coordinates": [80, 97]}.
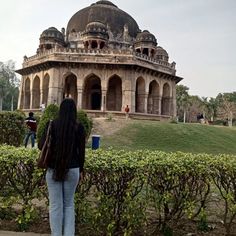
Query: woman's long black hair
{"type": "Point", "coordinates": [65, 136]}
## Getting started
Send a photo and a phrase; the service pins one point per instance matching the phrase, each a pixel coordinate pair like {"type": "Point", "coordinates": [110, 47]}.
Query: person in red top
{"type": "Point", "coordinates": [32, 128]}
{"type": "Point", "coordinates": [127, 112]}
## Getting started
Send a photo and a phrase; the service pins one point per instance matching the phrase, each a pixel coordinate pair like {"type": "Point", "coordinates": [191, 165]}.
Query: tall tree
{"type": "Point", "coordinates": [9, 84]}
{"type": "Point", "coordinates": [227, 103]}
{"type": "Point", "coordinates": [182, 101]}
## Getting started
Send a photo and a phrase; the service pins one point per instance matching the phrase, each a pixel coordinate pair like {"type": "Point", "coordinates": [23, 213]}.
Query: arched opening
{"type": "Point", "coordinates": [86, 44]}
{"type": "Point", "coordinates": [165, 104]}
{"type": "Point", "coordinates": [114, 94]}
{"type": "Point", "coordinates": [70, 87]}
{"type": "Point", "coordinates": [140, 95]}
{"type": "Point", "coordinates": [36, 93]}
{"type": "Point", "coordinates": [45, 89]}
{"type": "Point", "coordinates": [27, 94]}
{"type": "Point", "coordinates": [145, 51]}
{"type": "Point", "coordinates": [138, 50]}
{"type": "Point", "coordinates": [94, 44]}
{"type": "Point", "coordinates": [92, 93]}
{"type": "Point", "coordinates": [48, 46]}
{"type": "Point", "coordinates": [152, 53]}
{"type": "Point", "coordinates": [153, 98]}
{"type": "Point", "coordinates": [102, 45]}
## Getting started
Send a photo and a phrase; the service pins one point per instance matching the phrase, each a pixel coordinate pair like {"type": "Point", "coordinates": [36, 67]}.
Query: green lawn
{"type": "Point", "coordinates": [153, 135]}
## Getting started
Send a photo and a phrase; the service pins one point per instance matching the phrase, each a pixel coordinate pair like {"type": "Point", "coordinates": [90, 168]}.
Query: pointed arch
{"type": "Point", "coordinates": [114, 94]}
{"type": "Point", "coordinates": [70, 87]}
{"type": "Point", "coordinates": [27, 94]}
{"type": "Point", "coordinates": [36, 93]}
{"type": "Point", "coordinates": [165, 104]}
{"type": "Point", "coordinates": [140, 95]}
{"type": "Point", "coordinates": [92, 94]}
{"type": "Point", "coordinates": [153, 97]}
{"type": "Point", "coordinates": [46, 80]}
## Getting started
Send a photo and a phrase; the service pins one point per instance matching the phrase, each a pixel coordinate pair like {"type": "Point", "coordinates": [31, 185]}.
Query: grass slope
{"type": "Point", "coordinates": [195, 138]}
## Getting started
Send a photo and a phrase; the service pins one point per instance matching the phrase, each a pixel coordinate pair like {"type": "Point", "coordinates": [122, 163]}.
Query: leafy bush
{"type": "Point", "coordinates": [22, 181]}
{"type": "Point", "coordinates": [50, 113]}
{"type": "Point", "coordinates": [83, 118]}
{"type": "Point", "coordinates": [12, 128]}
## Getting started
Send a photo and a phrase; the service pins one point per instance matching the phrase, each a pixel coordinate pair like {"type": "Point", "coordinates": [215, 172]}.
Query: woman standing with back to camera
{"type": "Point", "coordinates": [64, 168]}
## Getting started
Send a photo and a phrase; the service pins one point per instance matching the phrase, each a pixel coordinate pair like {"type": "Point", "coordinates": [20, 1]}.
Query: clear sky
{"type": "Point", "coordinates": [199, 35]}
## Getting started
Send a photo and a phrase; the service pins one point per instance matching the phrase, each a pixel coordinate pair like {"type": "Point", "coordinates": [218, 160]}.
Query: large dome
{"type": "Point", "coordinates": [105, 12]}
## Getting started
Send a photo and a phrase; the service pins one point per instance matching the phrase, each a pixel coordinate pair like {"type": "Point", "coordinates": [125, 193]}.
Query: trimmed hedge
{"type": "Point", "coordinates": [123, 192]}
{"type": "Point", "coordinates": [12, 128]}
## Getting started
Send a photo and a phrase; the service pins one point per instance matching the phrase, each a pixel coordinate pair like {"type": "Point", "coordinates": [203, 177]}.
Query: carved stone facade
{"type": "Point", "coordinates": [104, 62]}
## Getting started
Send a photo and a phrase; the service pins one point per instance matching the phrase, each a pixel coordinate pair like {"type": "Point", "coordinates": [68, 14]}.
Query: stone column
{"type": "Point", "coordinates": [90, 44]}
{"type": "Point", "coordinates": [99, 44]}
{"type": "Point", "coordinates": [79, 98]}
{"type": "Point", "coordinates": [41, 89]}
{"type": "Point", "coordinates": [79, 85]}
{"type": "Point", "coordinates": [53, 92]}
{"type": "Point", "coordinates": [103, 100]}
{"type": "Point", "coordinates": [31, 91]}
{"type": "Point", "coordinates": [145, 102]}
{"type": "Point", "coordinates": [160, 105]}
{"type": "Point", "coordinates": [174, 110]}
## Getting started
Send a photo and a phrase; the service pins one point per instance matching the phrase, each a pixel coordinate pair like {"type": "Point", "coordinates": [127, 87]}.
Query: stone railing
{"type": "Point", "coordinates": [118, 56]}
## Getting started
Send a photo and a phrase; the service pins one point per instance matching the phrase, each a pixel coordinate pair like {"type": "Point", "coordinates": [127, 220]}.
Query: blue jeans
{"type": "Point", "coordinates": [30, 134]}
{"type": "Point", "coordinates": [61, 202]}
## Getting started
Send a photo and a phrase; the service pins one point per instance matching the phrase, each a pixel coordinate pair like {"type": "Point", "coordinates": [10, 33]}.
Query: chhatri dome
{"type": "Point", "coordinates": [104, 61]}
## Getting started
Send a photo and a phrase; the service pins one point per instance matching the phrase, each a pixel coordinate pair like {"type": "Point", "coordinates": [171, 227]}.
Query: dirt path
{"type": "Point", "coordinates": [105, 127]}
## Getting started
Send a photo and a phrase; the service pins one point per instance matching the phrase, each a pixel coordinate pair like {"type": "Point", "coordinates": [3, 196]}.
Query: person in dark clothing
{"type": "Point", "coordinates": [32, 128]}
{"type": "Point", "coordinates": [65, 167]}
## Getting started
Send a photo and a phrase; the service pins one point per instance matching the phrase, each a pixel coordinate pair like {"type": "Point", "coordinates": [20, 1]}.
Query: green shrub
{"type": "Point", "coordinates": [22, 182]}
{"type": "Point", "coordinates": [12, 128]}
{"type": "Point", "coordinates": [83, 118]}
{"type": "Point", "coordinates": [50, 113]}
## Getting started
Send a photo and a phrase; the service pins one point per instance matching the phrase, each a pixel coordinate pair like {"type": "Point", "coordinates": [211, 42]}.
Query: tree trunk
{"type": "Point", "coordinates": [12, 101]}
{"type": "Point", "coordinates": [230, 122]}
{"type": "Point", "coordinates": [184, 116]}
{"type": "Point", "coordinates": [1, 99]}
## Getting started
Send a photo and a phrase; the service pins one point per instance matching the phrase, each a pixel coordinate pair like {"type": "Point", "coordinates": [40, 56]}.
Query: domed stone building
{"type": "Point", "coordinates": [104, 62]}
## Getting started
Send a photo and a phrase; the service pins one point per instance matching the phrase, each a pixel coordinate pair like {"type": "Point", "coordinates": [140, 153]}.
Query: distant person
{"type": "Point", "coordinates": [127, 112]}
{"type": "Point", "coordinates": [65, 167]}
{"type": "Point", "coordinates": [32, 128]}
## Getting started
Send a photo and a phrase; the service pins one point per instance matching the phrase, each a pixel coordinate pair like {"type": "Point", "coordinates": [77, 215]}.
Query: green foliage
{"type": "Point", "coordinates": [202, 224]}
{"type": "Point", "coordinates": [9, 84]}
{"type": "Point", "coordinates": [12, 128]}
{"type": "Point", "coordinates": [22, 181]}
{"type": "Point", "coordinates": [109, 117]}
{"type": "Point", "coordinates": [167, 137]}
{"type": "Point", "coordinates": [83, 118]}
{"type": "Point", "coordinates": [119, 187]}
{"type": "Point", "coordinates": [50, 113]}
